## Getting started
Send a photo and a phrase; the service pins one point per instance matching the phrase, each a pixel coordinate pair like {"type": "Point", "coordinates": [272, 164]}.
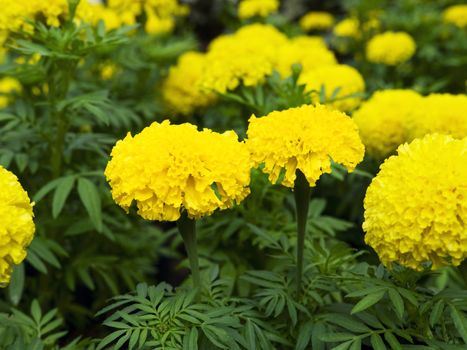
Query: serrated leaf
{"type": "Point", "coordinates": [15, 289]}
{"type": "Point", "coordinates": [392, 341]}
{"type": "Point", "coordinates": [436, 312]}
{"type": "Point", "coordinates": [90, 198]}
{"type": "Point", "coordinates": [62, 191]}
{"type": "Point", "coordinates": [397, 301]}
{"type": "Point", "coordinates": [459, 322]}
{"type": "Point", "coordinates": [368, 301]}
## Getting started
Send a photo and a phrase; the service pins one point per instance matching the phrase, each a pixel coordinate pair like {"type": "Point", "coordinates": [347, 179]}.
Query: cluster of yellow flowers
{"type": "Point", "coordinates": [16, 224]}
{"type": "Point", "coordinates": [167, 168]}
{"type": "Point", "coordinates": [416, 207]}
{"type": "Point", "coordinates": [390, 48]}
{"type": "Point", "coordinates": [316, 20]}
{"type": "Point", "coordinates": [247, 57]}
{"type": "Point", "coordinates": [315, 136]}
{"type": "Point", "coordinates": [7, 87]}
{"type": "Point", "coordinates": [457, 15]}
{"type": "Point", "coordinates": [261, 8]}
{"type": "Point", "coordinates": [392, 117]}
{"type": "Point", "coordinates": [181, 89]}
{"type": "Point", "coordinates": [348, 28]}
{"type": "Point", "coordinates": [339, 82]}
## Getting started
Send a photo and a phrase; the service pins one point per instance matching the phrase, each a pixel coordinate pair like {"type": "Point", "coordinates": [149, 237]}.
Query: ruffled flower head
{"type": "Point", "coordinates": [167, 168]}
{"type": "Point", "coordinates": [457, 15]}
{"type": "Point", "coordinates": [261, 8]}
{"type": "Point", "coordinates": [305, 138]}
{"type": "Point", "coordinates": [316, 20]}
{"type": "Point", "coordinates": [416, 207]}
{"type": "Point", "coordinates": [16, 224]}
{"type": "Point", "coordinates": [390, 48]}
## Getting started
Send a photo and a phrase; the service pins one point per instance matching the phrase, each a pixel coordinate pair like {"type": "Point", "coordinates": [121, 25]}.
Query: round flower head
{"type": "Point", "coordinates": [390, 48]}
{"type": "Point", "coordinates": [182, 90]}
{"type": "Point", "coordinates": [338, 81]}
{"type": "Point", "coordinates": [305, 138]}
{"type": "Point", "coordinates": [347, 28]}
{"type": "Point", "coordinates": [316, 20]}
{"type": "Point", "coordinates": [308, 51]}
{"type": "Point", "coordinates": [16, 224]}
{"type": "Point", "coordinates": [7, 87]}
{"type": "Point", "coordinates": [167, 168]}
{"type": "Point", "coordinates": [457, 15]}
{"type": "Point", "coordinates": [416, 207]}
{"type": "Point", "coordinates": [383, 120]}
{"type": "Point", "coordinates": [260, 8]}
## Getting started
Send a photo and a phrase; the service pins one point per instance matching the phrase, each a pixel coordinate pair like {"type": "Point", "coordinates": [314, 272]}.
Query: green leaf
{"type": "Point", "coordinates": [336, 337]}
{"type": "Point", "coordinates": [15, 289]}
{"type": "Point", "coordinates": [250, 335]}
{"type": "Point", "coordinates": [436, 312]}
{"type": "Point", "coordinates": [304, 336]}
{"type": "Point", "coordinates": [110, 338]}
{"type": "Point", "coordinates": [45, 190]}
{"type": "Point", "coordinates": [190, 342]}
{"type": "Point", "coordinates": [397, 301]}
{"type": "Point", "coordinates": [392, 341]}
{"type": "Point", "coordinates": [459, 322]}
{"type": "Point", "coordinates": [377, 342]}
{"type": "Point", "coordinates": [90, 198]}
{"type": "Point", "coordinates": [36, 312]}
{"type": "Point", "coordinates": [61, 194]}
{"type": "Point", "coordinates": [357, 344]}
{"type": "Point", "coordinates": [368, 301]}
{"type": "Point", "coordinates": [343, 346]}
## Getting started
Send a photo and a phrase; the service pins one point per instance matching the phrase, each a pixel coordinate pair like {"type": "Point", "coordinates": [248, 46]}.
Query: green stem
{"type": "Point", "coordinates": [187, 228]}
{"type": "Point", "coordinates": [302, 192]}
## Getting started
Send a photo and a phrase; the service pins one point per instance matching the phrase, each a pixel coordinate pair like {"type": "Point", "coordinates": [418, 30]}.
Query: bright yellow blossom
{"type": "Point", "coordinates": [338, 81]}
{"type": "Point", "coordinates": [390, 48]}
{"type": "Point", "coordinates": [260, 8]}
{"type": "Point", "coordinates": [182, 90]}
{"type": "Point", "coordinates": [7, 87]}
{"type": "Point", "coordinates": [167, 168]}
{"type": "Point", "coordinates": [316, 20]}
{"type": "Point", "coordinates": [16, 224]}
{"type": "Point", "coordinates": [416, 207]}
{"type": "Point", "coordinates": [457, 15]}
{"type": "Point", "coordinates": [384, 118]}
{"type": "Point", "coordinates": [347, 28]}
{"type": "Point", "coordinates": [305, 138]}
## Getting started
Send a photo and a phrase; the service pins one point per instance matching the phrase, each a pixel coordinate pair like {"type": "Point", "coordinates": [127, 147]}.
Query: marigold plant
{"type": "Point", "coordinates": [390, 48]}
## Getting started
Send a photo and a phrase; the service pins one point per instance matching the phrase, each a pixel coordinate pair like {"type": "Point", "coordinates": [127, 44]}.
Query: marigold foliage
{"type": "Point", "coordinates": [416, 207]}
{"type": "Point", "coordinates": [457, 15]}
{"type": "Point", "coordinates": [182, 89]}
{"type": "Point", "coordinates": [260, 8]}
{"type": "Point", "coordinates": [340, 76]}
{"type": "Point", "coordinates": [8, 86]}
{"type": "Point", "coordinates": [382, 120]}
{"type": "Point", "coordinates": [316, 20]}
{"type": "Point", "coordinates": [16, 224]}
{"type": "Point", "coordinates": [348, 27]}
{"type": "Point", "coordinates": [167, 168]}
{"type": "Point", "coordinates": [305, 138]}
{"type": "Point", "coordinates": [390, 48]}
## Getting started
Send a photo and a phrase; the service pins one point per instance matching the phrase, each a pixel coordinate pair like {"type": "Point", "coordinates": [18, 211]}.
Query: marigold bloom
{"type": "Point", "coordinates": [318, 20]}
{"type": "Point", "coordinates": [181, 89]}
{"type": "Point", "coordinates": [457, 15]}
{"type": "Point", "coordinates": [305, 138]}
{"type": "Point", "coordinates": [416, 207]}
{"type": "Point", "coordinates": [246, 56]}
{"type": "Point", "coordinates": [8, 86]}
{"type": "Point", "coordinates": [308, 51]}
{"type": "Point", "coordinates": [167, 168]}
{"type": "Point", "coordinates": [16, 224]}
{"type": "Point", "coordinates": [383, 120]}
{"type": "Point", "coordinates": [390, 48]}
{"type": "Point", "coordinates": [344, 79]}
{"type": "Point", "coordinates": [347, 28]}
{"type": "Point", "coordinates": [261, 8]}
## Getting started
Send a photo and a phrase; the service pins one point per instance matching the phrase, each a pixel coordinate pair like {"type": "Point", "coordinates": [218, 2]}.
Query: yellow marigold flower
{"type": "Point", "coordinates": [316, 20]}
{"type": "Point", "coordinates": [261, 8]}
{"type": "Point", "coordinates": [383, 120]}
{"type": "Point", "coordinates": [309, 52]}
{"type": "Point", "coordinates": [457, 15]}
{"type": "Point", "coordinates": [305, 138]}
{"type": "Point", "coordinates": [246, 56]}
{"type": "Point", "coordinates": [416, 207]}
{"type": "Point", "coordinates": [344, 79]}
{"type": "Point", "coordinates": [390, 48]}
{"type": "Point", "coordinates": [182, 90]}
{"type": "Point", "coordinates": [7, 87]}
{"type": "Point", "coordinates": [348, 27]}
{"type": "Point", "coordinates": [108, 70]}
{"type": "Point", "coordinates": [167, 168]}
{"type": "Point", "coordinates": [16, 224]}
{"type": "Point", "coordinates": [440, 113]}
{"type": "Point", "coordinates": [158, 25]}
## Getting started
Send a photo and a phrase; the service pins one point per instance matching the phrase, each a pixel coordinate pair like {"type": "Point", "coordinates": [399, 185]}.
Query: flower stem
{"type": "Point", "coordinates": [187, 228]}
{"type": "Point", "coordinates": [302, 192]}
